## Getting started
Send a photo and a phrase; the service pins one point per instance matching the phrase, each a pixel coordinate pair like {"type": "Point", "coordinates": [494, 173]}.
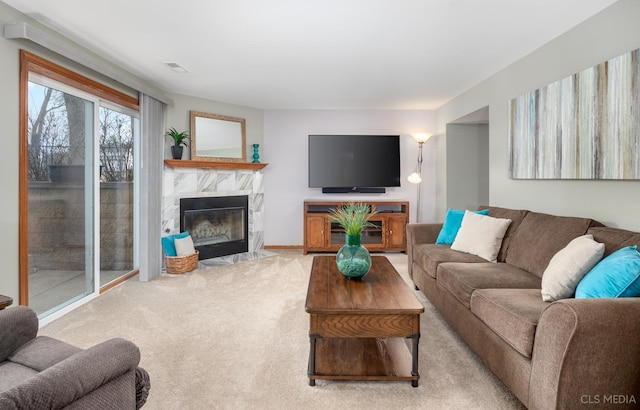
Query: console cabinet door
{"type": "Point", "coordinates": [395, 229]}
{"type": "Point", "coordinates": [315, 231]}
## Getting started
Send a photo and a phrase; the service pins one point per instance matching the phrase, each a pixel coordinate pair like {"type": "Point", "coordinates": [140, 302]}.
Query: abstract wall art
{"type": "Point", "coordinates": [585, 126]}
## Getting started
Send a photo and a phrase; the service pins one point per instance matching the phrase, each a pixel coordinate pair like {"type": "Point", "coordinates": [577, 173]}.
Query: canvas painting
{"type": "Point", "coordinates": [585, 126]}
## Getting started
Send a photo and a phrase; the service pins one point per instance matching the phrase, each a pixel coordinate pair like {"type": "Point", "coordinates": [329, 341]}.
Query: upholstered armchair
{"type": "Point", "coordinates": [39, 372]}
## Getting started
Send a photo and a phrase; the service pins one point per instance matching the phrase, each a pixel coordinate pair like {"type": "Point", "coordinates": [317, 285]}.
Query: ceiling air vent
{"type": "Point", "coordinates": [177, 67]}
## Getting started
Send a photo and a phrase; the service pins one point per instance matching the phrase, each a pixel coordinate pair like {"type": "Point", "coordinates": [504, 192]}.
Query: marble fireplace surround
{"type": "Point", "coordinates": [183, 179]}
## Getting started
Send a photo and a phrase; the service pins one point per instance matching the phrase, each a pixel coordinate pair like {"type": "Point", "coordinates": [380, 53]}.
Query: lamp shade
{"type": "Point", "coordinates": [422, 136]}
{"type": "Point", "coordinates": [414, 178]}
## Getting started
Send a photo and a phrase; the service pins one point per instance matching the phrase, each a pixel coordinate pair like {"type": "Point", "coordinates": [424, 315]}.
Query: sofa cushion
{"type": "Point", "coordinates": [430, 255]}
{"type": "Point", "coordinates": [617, 275]}
{"type": "Point", "coordinates": [12, 374]}
{"type": "Point", "coordinates": [451, 225]}
{"type": "Point", "coordinates": [43, 352]}
{"type": "Point", "coordinates": [511, 313]}
{"type": "Point", "coordinates": [540, 236]}
{"type": "Point", "coordinates": [614, 238]}
{"type": "Point", "coordinates": [481, 235]}
{"type": "Point", "coordinates": [516, 216]}
{"type": "Point", "coordinates": [568, 267]}
{"type": "Point", "coordinates": [462, 279]}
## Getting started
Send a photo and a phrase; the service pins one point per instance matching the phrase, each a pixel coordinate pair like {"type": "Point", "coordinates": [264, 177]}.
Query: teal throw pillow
{"type": "Point", "coordinates": [617, 275]}
{"type": "Point", "coordinates": [451, 225]}
{"type": "Point", "coordinates": [168, 243]}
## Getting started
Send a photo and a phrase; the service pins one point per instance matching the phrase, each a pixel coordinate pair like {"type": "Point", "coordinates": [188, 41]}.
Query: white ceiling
{"type": "Point", "coordinates": [314, 54]}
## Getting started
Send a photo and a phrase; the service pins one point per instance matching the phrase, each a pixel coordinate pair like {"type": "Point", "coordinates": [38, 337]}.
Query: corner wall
{"type": "Point", "coordinates": [608, 34]}
{"type": "Point", "coordinates": [286, 178]}
{"type": "Point", "coordinates": [467, 165]}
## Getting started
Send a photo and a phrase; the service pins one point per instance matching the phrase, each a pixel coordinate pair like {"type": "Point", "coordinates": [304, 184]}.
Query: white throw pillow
{"type": "Point", "coordinates": [568, 266]}
{"type": "Point", "coordinates": [481, 235]}
{"type": "Point", "coordinates": [184, 246]}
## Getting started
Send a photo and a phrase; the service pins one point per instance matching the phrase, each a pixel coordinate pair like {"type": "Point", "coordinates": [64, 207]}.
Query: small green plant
{"type": "Point", "coordinates": [353, 217]}
{"type": "Point", "coordinates": [179, 137]}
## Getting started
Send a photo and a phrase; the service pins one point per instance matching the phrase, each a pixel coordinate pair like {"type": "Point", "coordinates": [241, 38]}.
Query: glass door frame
{"type": "Point", "coordinates": [30, 64]}
{"type": "Point", "coordinates": [91, 201]}
{"type": "Point", "coordinates": [137, 136]}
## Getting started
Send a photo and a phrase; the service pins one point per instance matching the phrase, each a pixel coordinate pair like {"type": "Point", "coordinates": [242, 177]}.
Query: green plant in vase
{"type": "Point", "coordinates": [353, 259]}
{"type": "Point", "coordinates": [179, 138]}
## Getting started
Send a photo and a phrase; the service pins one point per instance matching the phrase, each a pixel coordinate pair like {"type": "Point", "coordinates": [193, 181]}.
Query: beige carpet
{"type": "Point", "coordinates": [236, 337]}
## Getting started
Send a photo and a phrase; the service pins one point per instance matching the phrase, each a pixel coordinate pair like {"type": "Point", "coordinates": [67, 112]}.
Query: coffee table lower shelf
{"type": "Point", "coordinates": [361, 359]}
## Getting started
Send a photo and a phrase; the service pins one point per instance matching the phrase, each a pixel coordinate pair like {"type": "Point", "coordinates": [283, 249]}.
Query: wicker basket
{"type": "Point", "coordinates": [182, 264]}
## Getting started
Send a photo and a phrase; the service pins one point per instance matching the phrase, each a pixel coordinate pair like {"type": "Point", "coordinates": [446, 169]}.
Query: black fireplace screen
{"type": "Point", "coordinates": [217, 225]}
{"type": "Point", "coordinates": [211, 226]}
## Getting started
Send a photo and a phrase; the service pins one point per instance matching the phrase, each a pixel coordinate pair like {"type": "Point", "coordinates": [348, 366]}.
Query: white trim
{"type": "Point", "coordinates": [45, 320]}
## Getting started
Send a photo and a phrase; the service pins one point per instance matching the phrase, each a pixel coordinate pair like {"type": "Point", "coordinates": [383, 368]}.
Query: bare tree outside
{"type": "Point", "coordinates": [46, 131]}
{"type": "Point", "coordinates": [56, 136]}
{"type": "Point", "coordinates": [116, 145]}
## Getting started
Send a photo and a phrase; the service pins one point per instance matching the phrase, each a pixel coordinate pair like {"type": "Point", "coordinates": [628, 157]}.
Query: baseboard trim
{"type": "Point", "coordinates": [283, 247]}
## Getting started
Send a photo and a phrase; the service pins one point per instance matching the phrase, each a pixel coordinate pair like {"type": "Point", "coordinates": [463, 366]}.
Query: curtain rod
{"type": "Point", "coordinates": [25, 31]}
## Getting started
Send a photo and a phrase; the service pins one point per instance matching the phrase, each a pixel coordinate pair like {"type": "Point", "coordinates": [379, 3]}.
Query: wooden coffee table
{"type": "Point", "coordinates": [358, 327]}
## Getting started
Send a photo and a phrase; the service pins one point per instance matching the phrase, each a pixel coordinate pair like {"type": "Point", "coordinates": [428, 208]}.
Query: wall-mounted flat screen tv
{"type": "Point", "coordinates": [354, 163]}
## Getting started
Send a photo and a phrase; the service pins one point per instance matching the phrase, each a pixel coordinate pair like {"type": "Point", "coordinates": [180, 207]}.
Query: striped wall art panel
{"type": "Point", "coordinates": [585, 126]}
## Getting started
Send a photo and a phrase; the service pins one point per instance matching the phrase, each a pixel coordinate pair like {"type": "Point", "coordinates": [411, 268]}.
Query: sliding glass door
{"type": "Point", "coordinates": [61, 196]}
{"type": "Point", "coordinates": [80, 196]}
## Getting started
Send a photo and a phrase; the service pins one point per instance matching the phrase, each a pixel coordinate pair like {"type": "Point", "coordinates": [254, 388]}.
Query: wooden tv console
{"type": "Point", "coordinates": [323, 235]}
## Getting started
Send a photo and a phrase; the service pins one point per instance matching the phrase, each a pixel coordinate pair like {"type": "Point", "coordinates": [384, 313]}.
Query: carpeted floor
{"type": "Point", "coordinates": [236, 337]}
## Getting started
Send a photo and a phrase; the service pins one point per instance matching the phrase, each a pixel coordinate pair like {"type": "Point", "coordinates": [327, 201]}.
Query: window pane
{"type": "Point", "coordinates": [60, 225]}
{"type": "Point", "coordinates": [117, 133]}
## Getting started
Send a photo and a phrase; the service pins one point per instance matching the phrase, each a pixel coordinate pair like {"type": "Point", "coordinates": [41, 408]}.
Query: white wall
{"type": "Point", "coordinates": [610, 33]}
{"type": "Point", "coordinates": [467, 165]}
{"type": "Point", "coordinates": [286, 177]}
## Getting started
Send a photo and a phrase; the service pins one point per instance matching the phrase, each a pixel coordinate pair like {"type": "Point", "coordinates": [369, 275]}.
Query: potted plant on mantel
{"type": "Point", "coordinates": [179, 138]}
{"type": "Point", "coordinates": [353, 259]}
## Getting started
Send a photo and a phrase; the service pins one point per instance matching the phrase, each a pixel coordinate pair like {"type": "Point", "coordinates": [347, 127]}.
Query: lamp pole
{"type": "Point", "coordinates": [416, 177]}
{"type": "Point", "coordinates": [419, 168]}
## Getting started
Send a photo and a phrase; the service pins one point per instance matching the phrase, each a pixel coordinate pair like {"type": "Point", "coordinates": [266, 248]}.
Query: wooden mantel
{"type": "Point", "coordinates": [179, 163]}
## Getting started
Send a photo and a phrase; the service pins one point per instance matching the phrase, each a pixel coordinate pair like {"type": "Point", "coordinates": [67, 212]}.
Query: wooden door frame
{"type": "Point", "coordinates": [30, 62]}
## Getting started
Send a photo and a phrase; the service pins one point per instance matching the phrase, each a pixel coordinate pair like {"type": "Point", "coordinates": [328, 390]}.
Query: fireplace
{"type": "Point", "coordinates": [219, 225]}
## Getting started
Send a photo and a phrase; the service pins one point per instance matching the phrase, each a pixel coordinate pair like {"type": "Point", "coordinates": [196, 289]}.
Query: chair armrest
{"type": "Point", "coordinates": [74, 377]}
{"type": "Point", "coordinates": [586, 352]}
{"type": "Point", "coordinates": [18, 325]}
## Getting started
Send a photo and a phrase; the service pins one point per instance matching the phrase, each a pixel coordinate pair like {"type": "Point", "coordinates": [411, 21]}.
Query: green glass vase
{"type": "Point", "coordinates": [256, 154]}
{"type": "Point", "coordinates": [353, 259]}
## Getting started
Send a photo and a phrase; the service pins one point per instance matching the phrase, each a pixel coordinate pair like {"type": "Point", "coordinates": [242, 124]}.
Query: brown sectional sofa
{"type": "Point", "coordinates": [572, 353]}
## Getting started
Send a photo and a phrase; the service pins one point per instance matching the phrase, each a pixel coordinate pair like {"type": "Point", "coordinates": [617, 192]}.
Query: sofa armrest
{"type": "Point", "coordinates": [18, 325]}
{"type": "Point", "coordinates": [74, 377]}
{"type": "Point", "coordinates": [418, 233]}
{"type": "Point", "coordinates": [422, 233]}
{"type": "Point", "coordinates": [586, 353]}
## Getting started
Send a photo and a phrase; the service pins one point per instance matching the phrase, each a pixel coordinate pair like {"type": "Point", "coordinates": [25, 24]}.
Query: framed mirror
{"type": "Point", "coordinates": [217, 137]}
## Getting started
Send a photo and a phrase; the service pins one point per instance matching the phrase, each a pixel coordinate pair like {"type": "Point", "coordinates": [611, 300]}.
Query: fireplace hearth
{"type": "Point", "coordinates": [218, 225]}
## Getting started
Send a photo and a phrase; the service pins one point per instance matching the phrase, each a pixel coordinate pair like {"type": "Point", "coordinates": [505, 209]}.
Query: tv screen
{"type": "Point", "coordinates": [354, 162]}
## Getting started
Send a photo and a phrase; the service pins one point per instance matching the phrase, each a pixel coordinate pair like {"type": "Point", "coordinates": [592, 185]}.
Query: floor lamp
{"type": "Point", "coordinates": [416, 177]}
